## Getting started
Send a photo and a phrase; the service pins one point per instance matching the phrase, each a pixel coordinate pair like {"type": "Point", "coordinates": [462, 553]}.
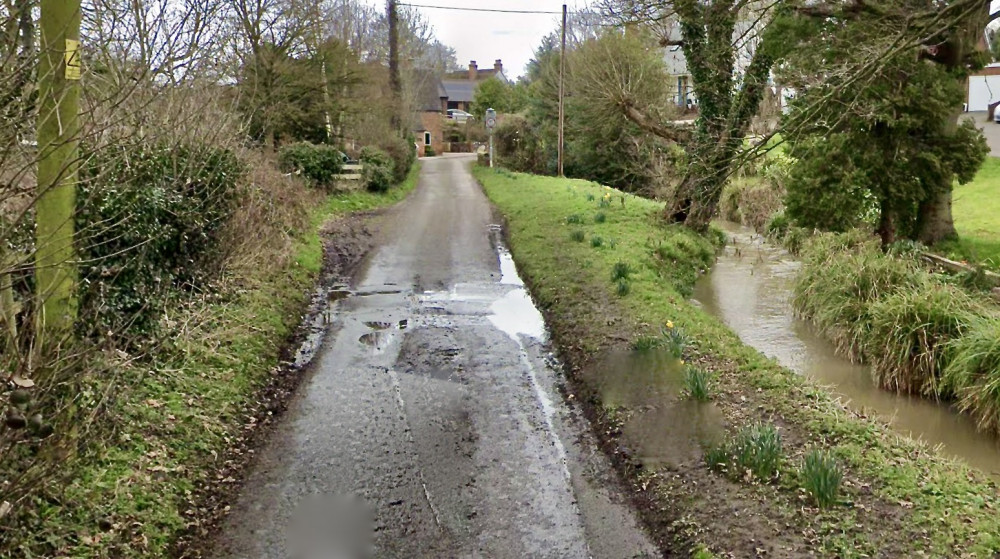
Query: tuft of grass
{"type": "Point", "coordinates": [590, 198]}
{"type": "Point", "coordinates": [574, 219]}
{"type": "Point", "coordinates": [596, 241]}
{"type": "Point", "coordinates": [622, 288]}
{"type": "Point", "coordinates": [675, 339]}
{"type": "Point", "coordinates": [577, 235]}
{"type": "Point", "coordinates": [645, 343]}
{"type": "Point", "coordinates": [909, 335]}
{"type": "Point", "coordinates": [756, 448]}
{"type": "Point", "coordinates": [696, 381]}
{"type": "Point", "coordinates": [841, 277]}
{"type": "Point", "coordinates": [600, 217]}
{"type": "Point", "coordinates": [621, 271]}
{"type": "Point", "coordinates": [973, 372]}
{"type": "Point", "coordinates": [821, 477]}
{"type": "Point", "coordinates": [717, 458]}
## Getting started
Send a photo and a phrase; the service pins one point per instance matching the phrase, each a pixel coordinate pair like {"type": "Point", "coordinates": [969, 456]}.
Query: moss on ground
{"type": "Point", "coordinates": [903, 498]}
{"type": "Point", "coordinates": [132, 491]}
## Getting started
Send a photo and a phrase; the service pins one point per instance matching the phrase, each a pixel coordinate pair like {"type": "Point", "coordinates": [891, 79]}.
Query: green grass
{"type": "Point", "coordinates": [696, 383]}
{"type": "Point", "coordinates": [182, 408]}
{"type": "Point", "coordinates": [935, 506]}
{"type": "Point", "coordinates": [973, 373]}
{"type": "Point", "coordinates": [821, 477]}
{"type": "Point", "coordinates": [755, 449]}
{"type": "Point", "coordinates": [976, 210]}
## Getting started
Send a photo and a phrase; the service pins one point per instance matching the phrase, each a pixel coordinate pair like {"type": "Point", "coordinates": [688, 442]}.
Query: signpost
{"type": "Point", "coordinates": [491, 123]}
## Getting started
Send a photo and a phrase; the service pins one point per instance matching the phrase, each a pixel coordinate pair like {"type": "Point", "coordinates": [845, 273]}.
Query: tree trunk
{"type": "Point", "coordinates": [395, 85]}
{"type": "Point", "coordinates": [886, 224]}
{"type": "Point", "coordinates": [58, 163]}
{"type": "Point", "coordinates": [934, 221]}
{"type": "Point", "coordinates": [679, 206]}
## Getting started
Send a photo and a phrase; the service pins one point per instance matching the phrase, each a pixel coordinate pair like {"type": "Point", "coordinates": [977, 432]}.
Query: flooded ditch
{"type": "Point", "coordinates": [750, 289]}
{"type": "Point", "coordinates": [665, 428]}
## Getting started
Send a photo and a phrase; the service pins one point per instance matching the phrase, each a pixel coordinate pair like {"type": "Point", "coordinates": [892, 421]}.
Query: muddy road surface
{"type": "Point", "coordinates": [432, 424]}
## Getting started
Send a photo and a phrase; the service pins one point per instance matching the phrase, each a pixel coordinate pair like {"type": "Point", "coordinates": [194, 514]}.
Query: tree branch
{"type": "Point", "coordinates": [667, 132]}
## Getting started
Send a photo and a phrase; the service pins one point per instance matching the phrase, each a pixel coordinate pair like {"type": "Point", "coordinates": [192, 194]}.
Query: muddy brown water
{"type": "Point", "coordinates": [663, 427]}
{"type": "Point", "coordinates": [750, 289]}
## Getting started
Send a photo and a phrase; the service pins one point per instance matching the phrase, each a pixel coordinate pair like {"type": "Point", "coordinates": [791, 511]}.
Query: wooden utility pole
{"type": "Point", "coordinates": [394, 83]}
{"type": "Point", "coordinates": [562, 72]}
{"type": "Point", "coordinates": [59, 68]}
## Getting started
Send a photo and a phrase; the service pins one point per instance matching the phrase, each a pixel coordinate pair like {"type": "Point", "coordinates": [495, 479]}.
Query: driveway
{"type": "Point", "coordinates": [432, 424]}
{"type": "Point", "coordinates": [990, 129]}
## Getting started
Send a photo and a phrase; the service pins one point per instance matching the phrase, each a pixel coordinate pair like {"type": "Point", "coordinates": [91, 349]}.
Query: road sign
{"type": "Point", "coordinates": [491, 119]}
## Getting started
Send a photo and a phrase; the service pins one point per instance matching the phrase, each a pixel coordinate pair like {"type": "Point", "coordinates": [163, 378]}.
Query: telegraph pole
{"type": "Point", "coordinates": [562, 72]}
{"type": "Point", "coordinates": [394, 83]}
{"type": "Point", "coordinates": [58, 135]}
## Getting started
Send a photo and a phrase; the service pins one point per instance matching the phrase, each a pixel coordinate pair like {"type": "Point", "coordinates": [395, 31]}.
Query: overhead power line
{"type": "Point", "coordinates": [492, 10]}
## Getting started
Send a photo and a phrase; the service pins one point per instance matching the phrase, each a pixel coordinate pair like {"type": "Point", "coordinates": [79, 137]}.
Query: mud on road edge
{"type": "Point", "coordinates": [347, 241]}
{"type": "Point", "coordinates": [662, 523]}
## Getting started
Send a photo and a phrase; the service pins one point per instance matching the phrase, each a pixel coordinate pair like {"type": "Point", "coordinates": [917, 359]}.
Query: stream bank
{"type": "Point", "coordinates": [750, 287]}
{"type": "Point", "coordinates": [900, 498]}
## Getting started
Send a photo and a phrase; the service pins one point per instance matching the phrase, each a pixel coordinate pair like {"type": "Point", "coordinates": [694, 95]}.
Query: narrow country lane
{"type": "Point", "coordinates": [434, 406]}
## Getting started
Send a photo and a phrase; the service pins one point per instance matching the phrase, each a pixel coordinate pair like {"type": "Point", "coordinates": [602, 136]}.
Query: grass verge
{"type": "Point", "coordinates": [135, 484]}
{"type": "Point", "coordinates": [976, 210]}
{"type": "Point", "coordinates": [899, 497]}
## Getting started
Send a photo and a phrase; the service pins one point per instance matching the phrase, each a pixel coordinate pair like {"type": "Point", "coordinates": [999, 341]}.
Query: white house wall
{"type": "Point", "coordinates": [983, 90]}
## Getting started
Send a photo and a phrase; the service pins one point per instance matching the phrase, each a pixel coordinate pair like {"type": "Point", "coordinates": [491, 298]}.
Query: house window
{"type": "Point", "coordinates": [427, 138]}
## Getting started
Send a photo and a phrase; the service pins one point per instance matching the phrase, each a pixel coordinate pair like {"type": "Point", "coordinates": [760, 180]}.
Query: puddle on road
{"type": "Point", "coordinates": [749, 289]}
{"type": "Point", "coordinates": [664, 428]}
{"type": "Point", "coordinates": [508, 271]}
{"type": "Point", "coordinates": [321, 312]}
{"type": "Point", "coordinates": [378, 340]}
{"type": "Point", "coordinates": [515, 314]}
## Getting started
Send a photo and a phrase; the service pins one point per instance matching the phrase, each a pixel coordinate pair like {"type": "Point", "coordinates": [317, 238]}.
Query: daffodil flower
{"type": "Point", "coordinates": [670, 324]}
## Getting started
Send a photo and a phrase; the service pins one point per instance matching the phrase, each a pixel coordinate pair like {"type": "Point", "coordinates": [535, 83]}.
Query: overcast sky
{"type": "Point", "coordinates": [485, 37]}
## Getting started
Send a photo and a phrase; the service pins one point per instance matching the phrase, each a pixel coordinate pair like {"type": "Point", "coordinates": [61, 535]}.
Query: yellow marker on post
{"type": "Point", "coordinates": [72, 58]}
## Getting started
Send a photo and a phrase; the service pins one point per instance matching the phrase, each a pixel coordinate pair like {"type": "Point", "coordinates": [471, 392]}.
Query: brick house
{"type": "Point", "coordinates": [435, 96]}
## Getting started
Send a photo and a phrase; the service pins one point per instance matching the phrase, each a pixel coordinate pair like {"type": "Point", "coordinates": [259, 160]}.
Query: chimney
{"type": "Point", "coordinates": [498, 66]}
{"type": "Point", "coordinates": [473, 71]}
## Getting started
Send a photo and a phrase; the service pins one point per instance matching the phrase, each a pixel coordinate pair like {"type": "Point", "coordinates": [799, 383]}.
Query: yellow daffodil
{"type": "Point", "coordinates": [682, 361]}
{"type": "Point", "coordinates": [670, 324]}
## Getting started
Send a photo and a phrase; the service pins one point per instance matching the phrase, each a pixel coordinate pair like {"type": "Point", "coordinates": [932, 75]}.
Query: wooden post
{"type": "Point", "coordinates": [394, 82]}
{"type": "Point", "coordinates": [562, 72]}
{"type": "Point", "coordinates": [59, 68]}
